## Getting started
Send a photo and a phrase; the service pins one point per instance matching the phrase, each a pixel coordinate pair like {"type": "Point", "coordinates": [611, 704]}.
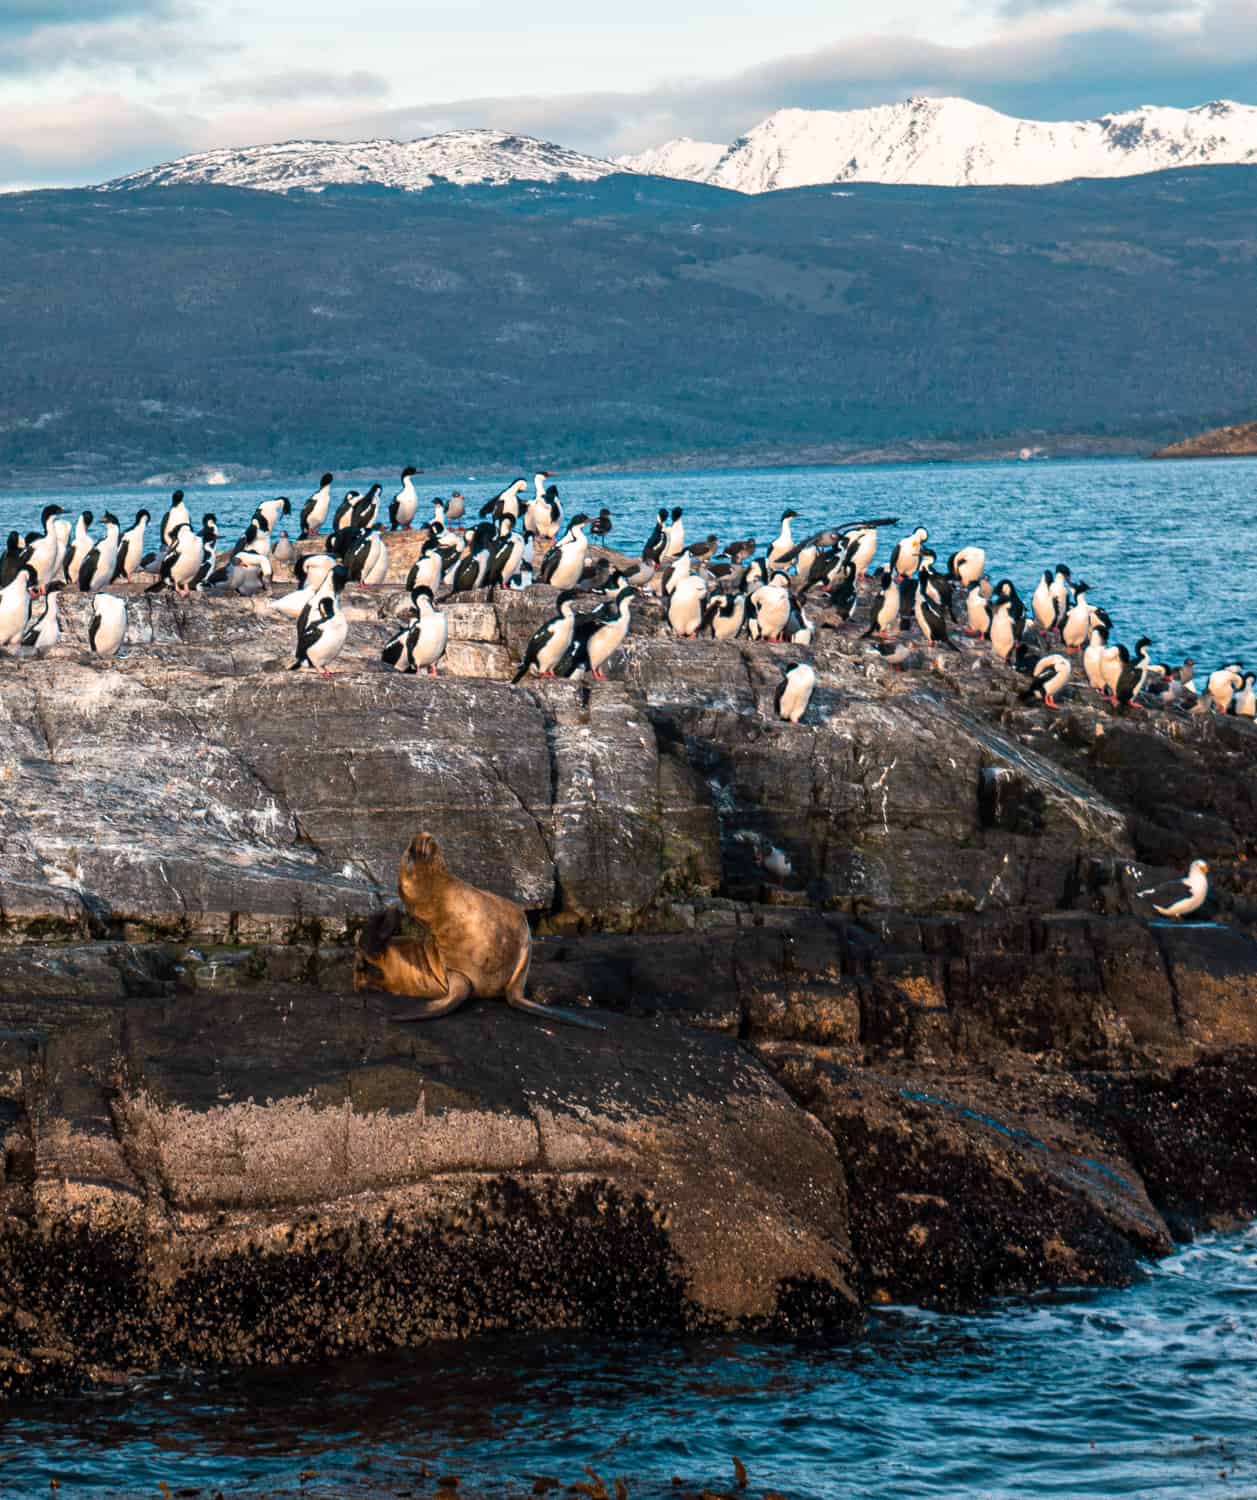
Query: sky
{"type": "Point", "coordinates": [90, 89]}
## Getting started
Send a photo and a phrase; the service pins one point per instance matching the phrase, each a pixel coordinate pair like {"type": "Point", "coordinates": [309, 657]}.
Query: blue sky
{"type": "Point", "coordinates": [92, 88]}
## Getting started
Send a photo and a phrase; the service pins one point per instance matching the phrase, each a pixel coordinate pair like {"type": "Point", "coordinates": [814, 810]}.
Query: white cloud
{"type": "Point", "coordinates": [65, 35]}
{"type": "Point", "coordinates": [302, 83]}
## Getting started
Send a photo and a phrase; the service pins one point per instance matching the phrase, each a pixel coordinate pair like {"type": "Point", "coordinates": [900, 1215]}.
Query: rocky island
{"type": "Point", "coordinates": [946, 1056]}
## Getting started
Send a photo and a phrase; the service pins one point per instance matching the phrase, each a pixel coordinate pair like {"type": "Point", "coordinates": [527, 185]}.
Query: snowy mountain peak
{"type": "Point", "coordinates": [691, 160]}
{"type": "Point", "coordinates": [945, 142]}
{"type": "Point", "coordinates": [465, 157]}
{"type": "Point", "coordinates": [950, 142]}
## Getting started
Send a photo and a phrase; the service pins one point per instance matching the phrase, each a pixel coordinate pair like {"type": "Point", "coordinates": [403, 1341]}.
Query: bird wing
{"type": "Point", "coordinates": [710, 610]}
{"type": "Point", "coordinates": [551, 563]}
{"type": "Point", "coordinates": [851, 526]}
{"type": "Point", "coordinates": [588, 626]}
{"type": "Point", "coordinates": [1169, 893]}
{"type": "Point", "coordinates": [540, 637]}
{"type": "Point", "coordinates": [308, 632]}
{"type": "Point", "coordinates": [30, 636]}
{"type": "Point", "coordinates": [575, 649]}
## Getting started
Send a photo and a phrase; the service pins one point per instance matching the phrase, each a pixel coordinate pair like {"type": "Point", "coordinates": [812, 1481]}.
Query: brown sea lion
{"type": "Point", "coordinates": [478, 943]}
{"type": "Point", "coordinates": [399, 964]}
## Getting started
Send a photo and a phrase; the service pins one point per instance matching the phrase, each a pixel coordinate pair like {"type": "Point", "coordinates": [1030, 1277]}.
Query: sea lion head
{"type": "Point", "coordinates": [373, 939]}
{"type": "Point", "coordinates": [378, 930]}
{"type": "Point", "coordinates": [424, 850]}
{"type": "Point", "coordinates": [421, 866]}
{"type": "Point", "coordinates": [404, 966]}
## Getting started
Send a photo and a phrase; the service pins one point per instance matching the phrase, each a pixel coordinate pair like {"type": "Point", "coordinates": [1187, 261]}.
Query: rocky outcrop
{"type": "Point", "coordinates": [225, 1177]}
{"type": "Point", "coordinates": [1239, 441]}
{"type": "Point", "coordinates": [194, 788]}
{"type": "Point", "coordinates": [947, 1057]}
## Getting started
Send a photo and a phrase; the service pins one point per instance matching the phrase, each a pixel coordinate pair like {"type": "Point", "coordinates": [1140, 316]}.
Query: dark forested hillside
{"type": "Point", "coordinates": [616, 320]}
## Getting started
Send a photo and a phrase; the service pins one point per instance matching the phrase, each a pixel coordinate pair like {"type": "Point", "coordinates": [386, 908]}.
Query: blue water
{"type": "Point", "coordinates": [1150, 1391]}
{"type": "Point", "coordinates": [1165, 545]}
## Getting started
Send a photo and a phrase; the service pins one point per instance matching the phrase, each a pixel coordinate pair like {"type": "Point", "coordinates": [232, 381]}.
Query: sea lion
{"type": "Point", "coordinates": [476, 943]}
{"type": "Point", "coordinates": [399, 964]}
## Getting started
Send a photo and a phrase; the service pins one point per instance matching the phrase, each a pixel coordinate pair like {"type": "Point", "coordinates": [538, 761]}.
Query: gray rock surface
{"type": "Point", "coordinates": [948, 1056]}
{"type": "Point", "coordinates": [194, 788]}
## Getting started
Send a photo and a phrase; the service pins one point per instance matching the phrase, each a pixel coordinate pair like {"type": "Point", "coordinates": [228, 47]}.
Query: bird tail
{"type": "Point", "coordinates": [156, 588]}
{"type": "Point", "coordinates": [519, 676]}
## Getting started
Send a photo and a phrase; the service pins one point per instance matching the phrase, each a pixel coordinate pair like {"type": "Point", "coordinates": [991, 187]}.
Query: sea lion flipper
{"type": "Point", "coordinates": [458, 989]}
{"type": "Point", "coordinates": [555, 1013]}
{"type": "Point", "coordinates": [436, 964]}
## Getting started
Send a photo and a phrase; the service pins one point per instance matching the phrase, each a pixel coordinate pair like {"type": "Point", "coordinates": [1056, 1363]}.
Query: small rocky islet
{"type": "Point", "coordinates": [943, 1054]}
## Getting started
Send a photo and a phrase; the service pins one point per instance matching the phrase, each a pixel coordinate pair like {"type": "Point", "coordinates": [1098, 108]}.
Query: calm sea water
{"type": "Point", "coordinates": [1147, 1392]}
{"type": "Point", "coordinates": [1165, 545]}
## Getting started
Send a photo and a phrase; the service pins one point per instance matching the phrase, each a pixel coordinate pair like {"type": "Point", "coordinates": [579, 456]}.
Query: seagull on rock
{"type": "Point", "coordinates": [1177, 899]}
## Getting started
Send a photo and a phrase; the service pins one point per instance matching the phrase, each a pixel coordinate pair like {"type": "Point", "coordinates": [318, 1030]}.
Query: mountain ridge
{"type": "Point", "coordinates": [462, 157]}
{"type": "Point", "coordinates": [953, 142]}
{"type": "Point", "coordinates": [932, 142]}
{"type": "Point", "coordinates": [611, 321]}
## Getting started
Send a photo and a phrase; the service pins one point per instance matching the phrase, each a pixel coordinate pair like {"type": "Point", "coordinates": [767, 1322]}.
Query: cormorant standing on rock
{"type": "Point", "coordinates": [321, 636]}
{"type": "Point", "coordinates": [1051, 673]}
{"type": "Point", "coordinates": [794, 692]}
{"type": "Point", "coordinates": [314, 511]}
{"type": "Point", "coordinates": [551, 639]}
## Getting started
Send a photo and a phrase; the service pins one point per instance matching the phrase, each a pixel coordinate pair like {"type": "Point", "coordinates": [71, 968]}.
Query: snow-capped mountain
{"type": "Point", "coordinates": [694, 161]}
{"type": "Point", "coordinates": [955, 143]}
{"type": "Point", "coordinates": [939, 142]}
{"type": "Point", "coordinates": [465, 157]}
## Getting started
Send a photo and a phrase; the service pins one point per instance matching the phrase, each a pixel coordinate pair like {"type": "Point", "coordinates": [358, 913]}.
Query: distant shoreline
{"type": "Point", "coordinates": [1036, 447]}
{"type": "Point", "coordinates": [1033, 447]}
